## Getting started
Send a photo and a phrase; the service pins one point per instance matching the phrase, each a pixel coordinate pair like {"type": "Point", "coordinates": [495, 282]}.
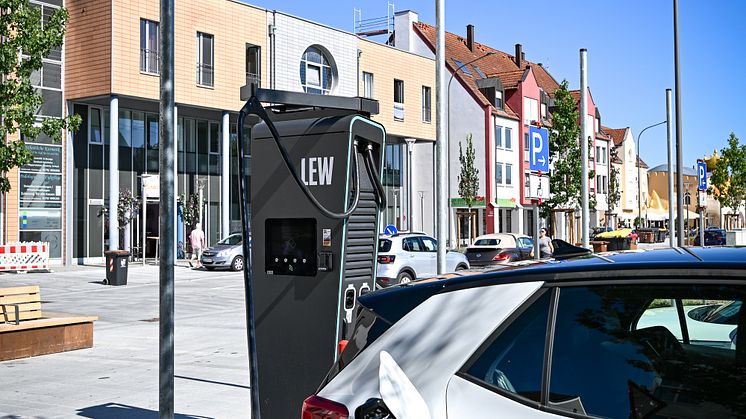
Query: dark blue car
{"type": "Point", "coordinates": [713, 237]}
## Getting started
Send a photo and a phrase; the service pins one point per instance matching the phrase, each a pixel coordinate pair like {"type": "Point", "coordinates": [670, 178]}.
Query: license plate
{"type": "Point", "coordinates": [207, 260]}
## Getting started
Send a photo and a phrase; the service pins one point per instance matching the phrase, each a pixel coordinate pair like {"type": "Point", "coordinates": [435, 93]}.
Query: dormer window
{"type": "Point", "coordinates": [492, 89]}
{"type": "Point", "coordinates": [499, 99]}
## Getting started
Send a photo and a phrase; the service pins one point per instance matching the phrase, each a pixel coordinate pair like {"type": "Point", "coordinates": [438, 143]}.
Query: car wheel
{"type": "Point", "coordinates": [404, 278]}
{"type": "Point", "coordinates": [237, 264]}
{"type": "Point", "coordinates": [460, 268]}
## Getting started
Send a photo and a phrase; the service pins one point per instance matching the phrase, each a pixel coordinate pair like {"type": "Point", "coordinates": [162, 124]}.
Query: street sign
{"type": "Point", "coordinates": [539, 149]}
{"type": "Point", "coordinates": [390, 230]}
{"type": "Point", "coordinates": [702, 175]}
{"type": "Point", "coordinates": [538, 186]}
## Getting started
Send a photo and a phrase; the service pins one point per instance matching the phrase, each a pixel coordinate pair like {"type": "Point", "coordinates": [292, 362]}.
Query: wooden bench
{"type": "Point", "coordinates": [25, 332]}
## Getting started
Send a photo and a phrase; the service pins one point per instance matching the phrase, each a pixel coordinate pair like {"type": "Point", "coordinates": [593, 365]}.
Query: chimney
{"type": "Point", "coordinates": [518, 55]}
{"type": "Point", "coordinates": [470, 37]}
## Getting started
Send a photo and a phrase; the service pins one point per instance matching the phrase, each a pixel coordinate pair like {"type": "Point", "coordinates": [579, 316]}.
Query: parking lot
{"type": "Point", "coordinates": [118, 377]}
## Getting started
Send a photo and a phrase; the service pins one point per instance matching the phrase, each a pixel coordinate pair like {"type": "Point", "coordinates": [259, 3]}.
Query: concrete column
{"type": "Point", "coordinates": [176, 182]}
{"type": "Point", "coordinates": [225, 179]}
{"type": "Point", "coordinates": [410, 184]}
{"type": "Point", "coordinates": [113, 172]}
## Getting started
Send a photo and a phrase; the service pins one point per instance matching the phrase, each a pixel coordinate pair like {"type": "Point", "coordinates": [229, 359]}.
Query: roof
{"type": "Point", "coordinates": [688, 171]}
{"type": "Point", "coordinates": [641, 163]}
{"type": "Point", "coordinates": [500, 64]}
{"type": "Point", "coordinates": [670, 263]}
{"type": "Point", "coordinates": [617, 134]}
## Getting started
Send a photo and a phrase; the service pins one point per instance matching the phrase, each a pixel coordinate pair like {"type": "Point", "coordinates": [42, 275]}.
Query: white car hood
{"type": "Point", "coordinates": [430, 344]}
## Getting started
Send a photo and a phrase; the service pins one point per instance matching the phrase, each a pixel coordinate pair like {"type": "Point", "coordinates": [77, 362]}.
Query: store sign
{"type": "Point", "coordinates": [47, 159]}
{"type": "Point", "coordinates": [40, 187]}
{"type": "Point", "coordinates": [40, 218]}
{"type": "Point", "coordinates": [461, 203]}
{"type": "Point", "coordinates": [506, 203]}
{"type": "Point", "coordinates": [151, 186]}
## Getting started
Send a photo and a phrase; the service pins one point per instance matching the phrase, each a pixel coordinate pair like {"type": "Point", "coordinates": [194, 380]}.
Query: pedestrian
{"type": "Point", "coordinates": [545, 244]}
{"type": "Point", "coordinates": [197, 240]}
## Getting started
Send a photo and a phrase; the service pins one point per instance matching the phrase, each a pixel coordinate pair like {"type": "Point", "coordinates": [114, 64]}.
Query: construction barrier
{"type": "Point", "coordinates": [24, 256]}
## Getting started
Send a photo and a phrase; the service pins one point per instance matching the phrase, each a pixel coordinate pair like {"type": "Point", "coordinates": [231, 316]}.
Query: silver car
{"type": "Point", "coordinates": [404, 257]}
{"type": "Point", "coordinates": [226, 254]}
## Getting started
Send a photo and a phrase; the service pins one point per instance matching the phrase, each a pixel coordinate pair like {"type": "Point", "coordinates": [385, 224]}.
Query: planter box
{"type": "Point", "coordinates": [599, 246]}
{"type": "Point", "coordinates": [619, 243]}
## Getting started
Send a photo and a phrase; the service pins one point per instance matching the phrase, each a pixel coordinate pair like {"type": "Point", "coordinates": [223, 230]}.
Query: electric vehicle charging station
{"type": "Point", "coordinates": [315, 199]}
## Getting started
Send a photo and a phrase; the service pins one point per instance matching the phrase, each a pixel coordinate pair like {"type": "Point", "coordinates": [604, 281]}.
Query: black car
{"type": "Point", "coordinates": [713, 237]}
{"type": "Point", "coordinates": [499, 248]}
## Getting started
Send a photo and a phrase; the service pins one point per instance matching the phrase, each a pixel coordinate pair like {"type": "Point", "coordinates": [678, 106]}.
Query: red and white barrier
{"type": "Point", "coordinates": [24, 256]}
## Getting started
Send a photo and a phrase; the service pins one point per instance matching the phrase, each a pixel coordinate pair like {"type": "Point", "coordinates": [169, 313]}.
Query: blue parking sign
{"type": "Point", "coordinates": [702, 175]}
{"type": "Point", "coordinates": [538, 148]}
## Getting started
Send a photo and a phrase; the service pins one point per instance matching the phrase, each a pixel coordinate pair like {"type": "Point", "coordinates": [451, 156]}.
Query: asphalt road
{"type": "Point", "coordinates": [118, 377]}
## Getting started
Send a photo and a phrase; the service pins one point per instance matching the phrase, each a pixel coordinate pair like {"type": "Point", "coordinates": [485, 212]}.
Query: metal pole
{"type": "Point", "coordinates": [669, 135]}
{"type": "Point", "coordinates": [441, 164]}
{"type": "Point", "coordinates": [701, 218]}
{"type": "Point", "coordinates": [410, 152]}
{"type": "Point", "coordinates": [584, 198]}
{"type": "Point", "coordinates": [679, 151]}
{"type": "Point", "coordinates": [167, 213]}
{"type": "Point", "coordinates": [537, 253]}
{"type": "Point", "coordinates": [113, 173]}
{"type": "Point", "coordinates": [639, 176]}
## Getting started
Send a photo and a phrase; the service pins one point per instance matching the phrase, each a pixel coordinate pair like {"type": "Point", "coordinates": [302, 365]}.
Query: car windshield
{"type": "Point", "coordinates": [487, 242]}
{"type": "Point", "coordinates": [231, 240]}
{"type": "Point", "coordinates": [384, 245]}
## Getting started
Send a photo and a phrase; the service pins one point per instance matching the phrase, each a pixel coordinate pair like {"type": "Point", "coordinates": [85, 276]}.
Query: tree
{"type": "Point", "coordinates": [22, 32]}
{"type": "Point", "coordinates": [468, 180]}
{"type": "Point", "coordinates": [728, 180]}
{"type": "Point", "coordinates": [615, 193]}
{"type": "Point", "coordinates": [564, 153]}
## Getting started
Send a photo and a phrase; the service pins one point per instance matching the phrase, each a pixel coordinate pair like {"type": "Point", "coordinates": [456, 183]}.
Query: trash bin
{"type": "Point", "coordinates": [600, 246]}
{"type": "Point", "coordinates": [117, 262]}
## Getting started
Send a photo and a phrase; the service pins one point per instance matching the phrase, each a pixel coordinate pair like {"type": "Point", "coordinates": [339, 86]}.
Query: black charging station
{"type": "Point", "coordinates": [315, 198]}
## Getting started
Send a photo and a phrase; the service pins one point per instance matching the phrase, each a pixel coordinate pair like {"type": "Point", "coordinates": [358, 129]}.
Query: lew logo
{"type": "Point", "coordinates": [316, 170]}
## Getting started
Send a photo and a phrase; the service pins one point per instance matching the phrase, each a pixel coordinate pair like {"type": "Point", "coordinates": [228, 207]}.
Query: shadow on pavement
{"type": "Point", "coordinates": [123, 411]}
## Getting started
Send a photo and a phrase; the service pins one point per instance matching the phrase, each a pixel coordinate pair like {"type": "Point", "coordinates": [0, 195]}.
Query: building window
{"type": "Point", "coordinates": [253, 65]}
{"type": "Point", "coordinates": [499, 99]}
{"type": "Point", "coordinates": [530, 110]}
{"type": "Point", "coordinates": [426, 104]}
{"type": "Point", "coordinates": [498, 173]}
{"type": "Point", "coordinates": [525, 142]}
{"type": "Point", "coordinates": [316, 71]}
{"type": "Point", "coordinates": [508, 174]}
{"type": "Point", "coordinates": [498, 136]}
{"type": "Point", "coordinates": [398, 100]}
{"type": "Point", "coordinates": [508, 138]}
{"type": "Point", "coordinates": [205, 59]}
{"type": "Point", "coordinates": [543, 111]}
{"type": "Point", "coordinates": [368, 85]}
{"type": "Point", "coordinates": [149, 45]}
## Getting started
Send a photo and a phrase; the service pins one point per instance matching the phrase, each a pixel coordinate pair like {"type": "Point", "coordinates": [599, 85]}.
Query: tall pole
{"type": "Point", "coordinates": [167, 214]}
{"type": "Point", "coordinates": [410, 192]}
{"type": "Point", "coordinates": [113, 173]}
{"type": "Point", "coordinates": [679, 152]}
{"type": "Point", "coordinates": [584, 198]}
{"type": "Point", "coordinates": [669, 136]}
{"type": "Point", "coordinates": [441, 178]}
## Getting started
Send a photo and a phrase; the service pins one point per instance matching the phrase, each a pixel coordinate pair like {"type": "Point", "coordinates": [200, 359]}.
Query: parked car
{"type": "Point", "coordinates": [226, 254]}
{"type": "Point", "coordinates": [713, 237]}
{"type": "Point", "coordinates": [404, 257]}
{"type": "Point", "coordinates": [709, 324]}
{"type": "Point", "coordinates": [493, 249]}
{"type": "Point", "coordinates": [556, 339]}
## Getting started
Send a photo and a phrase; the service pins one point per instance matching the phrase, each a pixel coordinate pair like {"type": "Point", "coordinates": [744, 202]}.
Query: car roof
{"type": "Point", "coordinates": [499, 236]}
{"type": "Point", "coordinates": [669, 262]}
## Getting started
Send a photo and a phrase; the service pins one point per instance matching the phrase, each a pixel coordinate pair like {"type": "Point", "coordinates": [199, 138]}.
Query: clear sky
{"type": "Point", "coordinates": [630, 55]}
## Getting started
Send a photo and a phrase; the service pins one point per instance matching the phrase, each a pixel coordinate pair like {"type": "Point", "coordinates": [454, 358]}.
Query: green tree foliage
{"type": "Point", "coordinates": [564, 153]}
{"type": "Point", "coordinates": [468, 180]}
{"type": "Point", "coordinates": [615, 193]}
{"type": "Point", "coordinates": [24, 35]}
{"type": "Point", "coordinates": [728, 179]}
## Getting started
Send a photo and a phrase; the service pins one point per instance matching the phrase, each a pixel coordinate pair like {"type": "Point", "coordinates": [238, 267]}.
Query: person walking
{"type": "Point", "coordinates": [197, 240]}
{"type": "Point", "coordinates": [545, 244]}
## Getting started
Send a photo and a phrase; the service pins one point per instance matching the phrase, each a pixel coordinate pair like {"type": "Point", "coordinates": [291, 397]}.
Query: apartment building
{"type": "Point", "coordinates": [108, 73]}
{"type": "Point", "coordinates": [624, 158]}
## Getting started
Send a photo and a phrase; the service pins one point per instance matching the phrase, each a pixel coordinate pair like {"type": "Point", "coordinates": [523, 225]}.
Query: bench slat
{"type": "Point", "coordinates": [21, 298]}
{"type": "Point", "coordinates": [30, 289]}
{"type": "Point", "coordinates": [24, 315]}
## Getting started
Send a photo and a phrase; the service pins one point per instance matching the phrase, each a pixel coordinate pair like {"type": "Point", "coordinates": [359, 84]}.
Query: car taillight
{"type": "Point", "coordinates": [386, 259]}
{"type": "Point", "coordinates": [501, 256]}
{"type": "Point", "coordinates": [316, 407]}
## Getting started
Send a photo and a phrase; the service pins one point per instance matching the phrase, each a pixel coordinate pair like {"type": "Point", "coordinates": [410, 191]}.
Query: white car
{"type": "Point", "coordinates": [558, 339]}
{"type": "Point", "coordinates": [404, 257]}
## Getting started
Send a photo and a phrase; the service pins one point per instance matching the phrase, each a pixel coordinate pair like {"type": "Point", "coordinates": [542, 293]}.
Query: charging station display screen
{"type": "Point", "coordinates": [291, 246]}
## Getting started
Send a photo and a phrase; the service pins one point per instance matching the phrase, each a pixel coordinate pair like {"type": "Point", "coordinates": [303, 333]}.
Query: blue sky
{"type": "Point", "coordinates": [630, 55]}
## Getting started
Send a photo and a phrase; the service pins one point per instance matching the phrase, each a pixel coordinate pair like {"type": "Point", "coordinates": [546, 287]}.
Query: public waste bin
{"type": "Point", "coordinates": [117, 262]}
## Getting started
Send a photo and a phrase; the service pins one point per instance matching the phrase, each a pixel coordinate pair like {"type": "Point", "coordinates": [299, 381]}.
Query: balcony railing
{"type": "Point", "coordinates": [149, 61]}
{"type": "Point", "coordinates": [254, 78]}
{"type": "Point", "coordinates": [205, 74]}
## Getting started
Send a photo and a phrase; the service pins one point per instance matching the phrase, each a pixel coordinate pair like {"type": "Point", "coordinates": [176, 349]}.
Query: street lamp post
{"type": "Point", "coordinates": [448, 127]}
{"type": "Point", "coordinates": [639, 193]}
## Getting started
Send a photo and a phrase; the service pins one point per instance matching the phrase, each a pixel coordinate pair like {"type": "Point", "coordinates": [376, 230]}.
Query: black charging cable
{"type": "Point", "coordinates": [370, 167]}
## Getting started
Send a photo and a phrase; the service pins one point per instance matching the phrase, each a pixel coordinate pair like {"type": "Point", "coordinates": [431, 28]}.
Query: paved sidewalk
{"type": "Point", "coordinates": [118, 377]}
